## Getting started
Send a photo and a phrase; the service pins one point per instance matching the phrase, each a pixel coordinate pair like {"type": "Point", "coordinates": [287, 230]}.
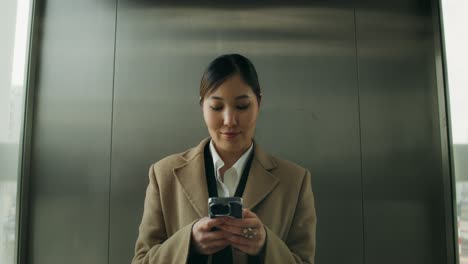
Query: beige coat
{"type": "Point", "coordinates": [278, 191]}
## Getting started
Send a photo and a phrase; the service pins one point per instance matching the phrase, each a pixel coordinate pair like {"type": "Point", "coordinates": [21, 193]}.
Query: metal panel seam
{"type": "Point", "coordinates": [360, 135]}
{"type": "Point", "coordinates": [111, 134]}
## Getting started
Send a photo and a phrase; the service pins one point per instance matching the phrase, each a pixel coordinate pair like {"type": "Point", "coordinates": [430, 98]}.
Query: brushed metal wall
{"type": "Point", "coordinates": [403, 194]}
{"type": "Point", "coordinates": [349, 94]}
{"type": "Point", "coordinates": [70, 159]}
{"type": "Point", "coordinates": [305, 57]}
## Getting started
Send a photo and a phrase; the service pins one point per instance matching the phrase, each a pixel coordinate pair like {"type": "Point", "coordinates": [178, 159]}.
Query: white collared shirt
{"type": "Point", "coordinates": [227, 185]}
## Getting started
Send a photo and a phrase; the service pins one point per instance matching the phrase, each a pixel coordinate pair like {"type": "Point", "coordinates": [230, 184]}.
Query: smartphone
{"type": "Point", "coordinates": [225, 206]}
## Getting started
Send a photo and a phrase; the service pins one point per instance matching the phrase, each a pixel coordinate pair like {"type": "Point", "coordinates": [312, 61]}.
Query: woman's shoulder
{"type": "Point", "coordinates": [172, 161]}
{"type": "Point", "coordinates": [291, 175]}
{"type": "Point", "coordinates": [284, 164]}
{"type": "Point", "coordinates": [288, 172]}
{"type": "Point", "coordinates": [280, 167]}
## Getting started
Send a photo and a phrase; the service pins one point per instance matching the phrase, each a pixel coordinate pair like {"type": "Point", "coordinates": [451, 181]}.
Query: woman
{"type": "Point", "coordinates": [278, 224]}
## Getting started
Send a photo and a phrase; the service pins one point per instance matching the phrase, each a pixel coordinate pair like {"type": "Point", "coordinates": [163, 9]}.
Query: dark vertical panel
{"type": "Point", "coordinates": [439, 88]}
{"type": "Point", "coordinates": [70, 163]}
{"type": "Point", "coordinates": [305, 56]}
{"type": "Point", "coordinates": [402, 168]}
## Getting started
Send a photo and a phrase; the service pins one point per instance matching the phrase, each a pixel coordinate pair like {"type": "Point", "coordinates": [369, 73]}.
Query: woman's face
{"type": "Point", "coordinates": [230, 114]}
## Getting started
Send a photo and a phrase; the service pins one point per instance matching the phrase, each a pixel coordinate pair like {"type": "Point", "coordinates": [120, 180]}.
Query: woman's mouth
{"type": "Point", "coordinates": [230, 135]}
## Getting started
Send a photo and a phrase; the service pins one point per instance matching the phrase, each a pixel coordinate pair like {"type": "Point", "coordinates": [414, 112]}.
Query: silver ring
{"type": "Point", "coordinates": [249, 232]}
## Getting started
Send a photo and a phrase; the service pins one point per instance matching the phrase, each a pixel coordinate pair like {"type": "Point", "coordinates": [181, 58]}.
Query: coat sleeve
{"type": "Point", "coordinates": [153, 245]}
{"type": "Point", "coordinates": [299, 246]}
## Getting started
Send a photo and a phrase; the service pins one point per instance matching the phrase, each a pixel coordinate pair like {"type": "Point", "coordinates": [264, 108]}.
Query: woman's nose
{"type": "Point", "coordinates": [230, 118]}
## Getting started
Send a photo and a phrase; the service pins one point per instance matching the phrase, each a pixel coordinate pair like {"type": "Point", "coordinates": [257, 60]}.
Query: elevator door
{"type": "Point", "coordinates": [349, 93]}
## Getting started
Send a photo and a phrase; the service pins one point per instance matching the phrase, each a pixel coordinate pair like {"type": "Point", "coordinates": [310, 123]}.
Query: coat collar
{"type": "Point", "coordinates": [191, 176]}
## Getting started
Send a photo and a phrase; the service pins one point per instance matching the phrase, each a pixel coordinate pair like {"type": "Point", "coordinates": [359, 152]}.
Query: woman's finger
{"type": "Point", "coordinates": [239, 240]}
{"type": "Point", "coordinates": [245, 249]}
{"type": "Point", "coordinates": [206, 237]}
{"type": "Point", "coordinates": [240, 231]}
{"type": "Point", "coordinates": [215, 245]}
{"type": "Point", "coordinates": [212, 247]}
{"type": "Point", "coordinates": [252, 247]}
{"type": "Point", "coordinates": [232, 229]}
{"type": "Point", "coordinates": [249, 222]}
{"type": "Point", "coordinates": [246, 213]}
{"type": "Point", "coordinates": [206, 224]}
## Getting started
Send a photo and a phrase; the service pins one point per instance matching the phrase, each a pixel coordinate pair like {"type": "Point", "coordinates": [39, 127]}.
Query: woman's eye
{"type": "Point", "coordinates": [216, 108]}
{"type": "Point", "coordinates": [243, 107]}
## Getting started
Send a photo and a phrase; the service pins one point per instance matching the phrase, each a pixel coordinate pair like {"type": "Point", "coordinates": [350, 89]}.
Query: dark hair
{"type": "Point", "coordinates": [225, 66]}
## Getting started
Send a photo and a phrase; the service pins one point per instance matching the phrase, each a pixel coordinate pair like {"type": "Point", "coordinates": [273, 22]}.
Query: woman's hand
{"type": "Point", "coordinates": [248, 233]}
{"type": "Point", "coordinates": [205, 241]}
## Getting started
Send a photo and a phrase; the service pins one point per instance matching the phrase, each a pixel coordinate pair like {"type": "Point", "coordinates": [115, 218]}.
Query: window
{"type": "Point", "coordinates": [455, 21]}
{"type": "Point", "coordinates": [15, 26]}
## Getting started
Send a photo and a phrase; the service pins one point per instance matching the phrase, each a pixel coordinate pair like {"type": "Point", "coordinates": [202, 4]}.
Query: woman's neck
{"type": "Point", "coordinates": [230, 158]}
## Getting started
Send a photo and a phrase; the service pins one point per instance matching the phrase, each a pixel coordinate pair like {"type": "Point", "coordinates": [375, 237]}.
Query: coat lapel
{"type": "Point", "coordinates": [191, 176]}
{"type": "Point", "coordinates": [260, 182]}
